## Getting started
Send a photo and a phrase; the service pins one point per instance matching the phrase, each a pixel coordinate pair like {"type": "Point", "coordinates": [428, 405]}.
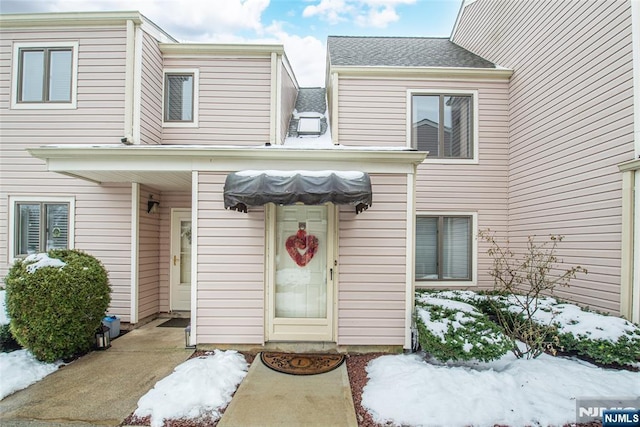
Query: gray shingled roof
{"type": "Point", "coordinates": [401, 52]}
{"type": "Point", "coordinates": [310, 99]}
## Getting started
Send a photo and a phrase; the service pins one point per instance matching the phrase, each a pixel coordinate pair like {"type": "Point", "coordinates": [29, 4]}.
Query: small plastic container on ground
{"type": "Point", "coordinates": [113, 323]}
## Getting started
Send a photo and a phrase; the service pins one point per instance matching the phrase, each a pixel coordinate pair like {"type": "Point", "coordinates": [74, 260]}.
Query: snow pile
{"type": "Point", "coordinates": [465, 313]}
{"type": "Point", "coordinates": [406, 390]}
{"type": "Point", "coordinates": [4, 317]}
{"type": "Point", "coordinates": [41, 260]}
{"type": "Point", "coordinates": [198, 387]}
{"type": "Point", "coordinates": [20, 369]}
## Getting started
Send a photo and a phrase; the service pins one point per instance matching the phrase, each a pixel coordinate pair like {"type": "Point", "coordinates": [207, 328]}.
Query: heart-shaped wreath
{"type": "Point", "coordinates": [301, 241]}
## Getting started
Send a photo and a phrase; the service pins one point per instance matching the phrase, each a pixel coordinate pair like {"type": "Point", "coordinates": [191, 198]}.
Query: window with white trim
{"type": "Point", "coordinates": [443, 124]}
{"type": "Point", "coordinates": [444, 247]}
{"type": "Point", "coordinates": [180, 106]}
{"type": "Point", "coordinates": [40, 226]}
{"type": "Point", "coordinates": [45, 75]}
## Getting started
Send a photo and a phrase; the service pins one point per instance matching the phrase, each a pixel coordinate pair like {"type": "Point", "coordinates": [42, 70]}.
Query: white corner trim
{"type": "Point", "coordinates": [474, 251]}
{"type": "Point", "coordinates": [635, 32]}
{"type": "Point", "coordinates": [15, 61]}
{"type": "Point", "coordinates": [335, 121]}
{"type": "Point", "coordinates": [196, 96]}
{"type": "Point", "coordinates": [464, 4]}
{"type": "Point", "coordinates": [410, 260]}
{"type": "Point", "coordinates": [137, 87]}
{"type": "Point", "coordinates": [273, 95]}
{"type": "Point", "coordinates": [193, 338]}
{"type": "Point", "coordinates": [475, 132]}
{"type": "Point", "coordinates": [135, 227]}
{"type": "Point", "coordinates": [39, 198]}
{"type": "Point", "coordinates": [635, 293]}
{"type": "Point", "coordinates": [129, 73]}
{"type": "Point", "coordinates": [278, 123]}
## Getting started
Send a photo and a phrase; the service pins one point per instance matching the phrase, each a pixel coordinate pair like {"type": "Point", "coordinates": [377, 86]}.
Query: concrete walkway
{"type": "Point", "coordinates": [101, 388]}
{"type": "Point", "coordinates": [267, 398]}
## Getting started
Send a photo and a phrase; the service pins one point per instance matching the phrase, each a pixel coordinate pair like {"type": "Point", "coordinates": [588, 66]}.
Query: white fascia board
{"type": "Point", "coordinates": [229, 49]}
{"type": "Point", "coordinates": [69, 19]}
{"type": "Point", "coordinates": [424, 72]}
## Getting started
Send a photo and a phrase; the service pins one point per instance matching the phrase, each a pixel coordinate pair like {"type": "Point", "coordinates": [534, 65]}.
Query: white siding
{"type": "Point", "coordinates": [234, 101]}
{"type": "Point", "coordinates": [230, 268]}
{"type": "Point", "coordinates": [372, 267]}
{"type": "Point", "coordinates": [570, 124]}
{"type": "Point", "coordinates": [103, 222]}
{"type": "Point", "coordinates": [151, 95]}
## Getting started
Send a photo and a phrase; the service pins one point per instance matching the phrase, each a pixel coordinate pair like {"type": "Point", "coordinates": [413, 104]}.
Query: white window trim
{"type": "Point", "coordinates": [15, 105]}
{"type": "Point", "coordinates": [196, 96]}
{"type": "Point", "coordinates": [13, 200]}
{"type": "Point", "coordinates": [474, 252]}
{"type": "Point", "coordinates": [474, 96]}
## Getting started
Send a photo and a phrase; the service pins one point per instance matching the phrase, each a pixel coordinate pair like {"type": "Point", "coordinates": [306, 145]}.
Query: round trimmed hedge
{"type": "Point", "coordinates": [56, 302]}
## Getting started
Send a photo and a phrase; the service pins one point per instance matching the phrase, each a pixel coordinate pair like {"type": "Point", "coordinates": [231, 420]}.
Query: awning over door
{"type": "Point", "coordinates": [256, 188]}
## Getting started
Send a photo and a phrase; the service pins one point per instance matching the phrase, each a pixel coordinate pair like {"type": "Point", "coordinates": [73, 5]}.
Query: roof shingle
{"type": "Point", "coordinates": [401, 52]}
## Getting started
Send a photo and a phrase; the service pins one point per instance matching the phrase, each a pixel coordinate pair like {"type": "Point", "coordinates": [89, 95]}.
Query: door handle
{"type": "Point", "coordinates": [175, 260]}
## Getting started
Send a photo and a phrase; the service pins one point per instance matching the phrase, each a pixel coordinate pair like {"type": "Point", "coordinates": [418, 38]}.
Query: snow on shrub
{"type": "Point", "coordinates": [600, 337]}
{"type": "Point", "coordinates": [453, 330]}
{"type": "Point", "coordinates": [56, 301]}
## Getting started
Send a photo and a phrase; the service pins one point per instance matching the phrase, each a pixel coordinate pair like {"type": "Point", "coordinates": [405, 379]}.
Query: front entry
{"type": "Point", "coordinates": [301, 289]}
{"type": "Point", "coordinates": [180, 260]}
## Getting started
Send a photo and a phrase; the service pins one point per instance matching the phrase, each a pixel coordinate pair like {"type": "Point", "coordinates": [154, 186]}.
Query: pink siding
{"type": "Point", "coordinates": [102, 217]}
{"type": "Point", "coordinates": [289, 95]}
{"type": "Point", "coordinates": [570, 124]}
{"type": "Point", "coordinates": [235, 96]}
{"type": "Point", "coordinates": [148, 256]}
{"type": "Point", "coordinates": [230, 268]}
{"type": "Point", "coordinates": [151, 93]}
{"type": "Point", "coordinates": [372, 267]}
{"type": "Point", "coordinates": [170, 200]}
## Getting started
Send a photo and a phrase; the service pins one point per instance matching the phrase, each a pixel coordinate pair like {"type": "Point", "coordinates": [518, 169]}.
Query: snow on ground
{"type": "Point", "coordinates": [198, 387]}
{"type": "Point", "coordinates": [19, 369]}
{"type": "Point", "coordinates": [407, 390]}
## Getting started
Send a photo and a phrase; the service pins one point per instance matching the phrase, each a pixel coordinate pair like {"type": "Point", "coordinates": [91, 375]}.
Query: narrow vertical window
{"type": "Point", "coordinates": [179, 96]}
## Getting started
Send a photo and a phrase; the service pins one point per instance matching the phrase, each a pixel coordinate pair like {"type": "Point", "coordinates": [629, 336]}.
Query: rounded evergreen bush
{"type": "Point", "coordinates": [56, 302]}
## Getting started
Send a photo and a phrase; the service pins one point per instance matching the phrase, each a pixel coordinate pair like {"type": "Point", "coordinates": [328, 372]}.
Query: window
{"type": "Point", "coordinates": [180, 98]}
{"type": "Point", "coordinates": [444, 125]}
{"type": "Point", "coordinates": [444, 248]}
{"type": "Point", "coordinates": [40, 226]}
{"type": "Point", "coordinates": [45, 75]}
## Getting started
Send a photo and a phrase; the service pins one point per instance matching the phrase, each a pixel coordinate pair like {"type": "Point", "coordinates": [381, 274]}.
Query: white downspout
{"type": "Point", "coordinates": [129, 75]}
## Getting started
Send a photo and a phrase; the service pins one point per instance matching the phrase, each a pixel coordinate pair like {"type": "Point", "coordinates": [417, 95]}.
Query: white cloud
{"type": "Point", "coordinates": [365, 13]}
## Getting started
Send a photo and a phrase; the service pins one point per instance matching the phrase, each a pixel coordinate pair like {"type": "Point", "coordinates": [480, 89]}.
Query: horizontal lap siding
{"type": "Point", "coordinates": [289, 95]}
{"type": "Point", "coordinates": [230, 268]}
{"type": "Point", "coordinates": [148, 258]}
{"type": "Point", "coordinates": [102, 217]}
{"type": "Point", "coordinates": [372, 266]}
{"type": "Point", "coordinates": [168, 201]}
{"type": "Point", "coordinates": [235, 99]}
{"type": "Point", "coordinates": [151, 93]}
{"type": "Point", "coordinates": [571, 124]}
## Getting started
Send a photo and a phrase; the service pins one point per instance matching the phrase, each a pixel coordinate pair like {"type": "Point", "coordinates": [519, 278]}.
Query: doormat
{"type": "Point", "coordinates": [301, 363]}
{"type": "Point", "coordinates": [176, 322]}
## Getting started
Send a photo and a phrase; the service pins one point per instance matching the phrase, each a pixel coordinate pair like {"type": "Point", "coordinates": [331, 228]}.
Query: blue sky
{"type": "Point", "coordinates": [302, 26]}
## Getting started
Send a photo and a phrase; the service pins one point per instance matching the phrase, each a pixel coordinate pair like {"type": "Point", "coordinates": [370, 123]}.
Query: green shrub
{"type": "Point", "coordinates": [56, 301]}
{"type": "Point", "coordinates": [453, 330]}
{"type": "Point", "coordinates": [7, 342]}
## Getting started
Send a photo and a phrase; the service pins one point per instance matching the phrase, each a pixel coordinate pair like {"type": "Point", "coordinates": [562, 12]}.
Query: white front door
{"type": "Point", "coordinates": [180, 270]}
{"type": "Point", "coordinates": [301, 288]}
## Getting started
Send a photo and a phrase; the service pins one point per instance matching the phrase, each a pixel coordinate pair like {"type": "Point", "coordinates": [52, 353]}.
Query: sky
{"type": "Point", "coordinates": [302, 26]}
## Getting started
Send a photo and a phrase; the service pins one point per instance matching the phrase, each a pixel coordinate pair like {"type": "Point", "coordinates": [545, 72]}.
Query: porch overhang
{"type": "Point", "coordinates": [257, 188]}
{"type": "Point", "coordinates": [170, 167]}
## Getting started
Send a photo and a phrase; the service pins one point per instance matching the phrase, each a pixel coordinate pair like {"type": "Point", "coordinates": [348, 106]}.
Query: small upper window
{"type": "Point", "coordinates": [45, 75]}
{"type": "Point", "coordinates": [443, 125]}
{"type": "Point", "coordinates": [40, 227]}
{"type": "Point", "coordinates": [180, 98]}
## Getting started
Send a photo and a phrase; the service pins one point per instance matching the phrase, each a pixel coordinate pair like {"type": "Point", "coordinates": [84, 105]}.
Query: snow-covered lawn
{"type": "Point", "coordinates": [199, 387]}
{"type": "Point", "coordinates": [407, 390]}
{"type": "Point", "coordinates": [19, 369]}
